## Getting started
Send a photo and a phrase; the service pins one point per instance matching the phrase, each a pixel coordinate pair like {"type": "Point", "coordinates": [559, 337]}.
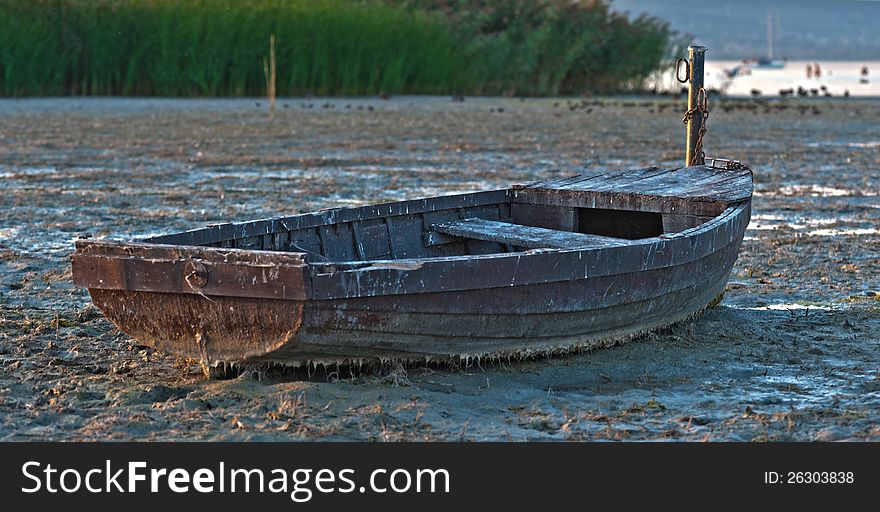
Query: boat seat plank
{"type": "Point", "coordinates": [524, 236]}
{"type": "Point", "coordinates": [617, 179]}
{"type": "Point", "coordinates": [653, 181]}
{"type": "Point", "coordinates": [650, 189]}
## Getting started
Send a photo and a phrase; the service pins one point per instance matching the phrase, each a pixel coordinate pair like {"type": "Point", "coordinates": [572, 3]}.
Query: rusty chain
{"type": "Point", "coordinates": [702, 106]}
{"type": "Point", "coordinates": [725, 163]}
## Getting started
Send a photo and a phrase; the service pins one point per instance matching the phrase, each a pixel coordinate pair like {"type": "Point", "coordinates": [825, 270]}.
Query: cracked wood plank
{"type": "Point", "coordinates": [524, 236]}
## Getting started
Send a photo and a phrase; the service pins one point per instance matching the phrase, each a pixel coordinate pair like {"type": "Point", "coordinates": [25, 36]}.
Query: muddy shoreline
{"type": "Point", "coordinates": [791, 353]}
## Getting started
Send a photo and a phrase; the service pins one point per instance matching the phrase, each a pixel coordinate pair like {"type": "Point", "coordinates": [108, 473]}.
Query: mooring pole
{"type": "Point", "coordinates": [697, 106]}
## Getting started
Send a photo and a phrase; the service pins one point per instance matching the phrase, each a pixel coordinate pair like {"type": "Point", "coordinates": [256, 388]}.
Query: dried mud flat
{"type": "Point", "coordinates": [791, 353]}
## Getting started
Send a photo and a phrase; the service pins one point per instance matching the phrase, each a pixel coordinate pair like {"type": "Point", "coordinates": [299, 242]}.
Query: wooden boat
{"type": "Point", "coordinates": [539, 268]}
{"type": "Point", "coordinates": [544, 267]}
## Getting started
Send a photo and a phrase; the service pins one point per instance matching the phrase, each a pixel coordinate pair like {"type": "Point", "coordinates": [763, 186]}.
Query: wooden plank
{"type": "Point", "coordinates": [524, 236]}
{"type": "Point", "coordinates": [721, 181]}
{"type": "Point", "coordinates": [434, 238]}
{"type": "Point", "coordinates": [405, 232]}
{"type": "Point", "coordinates": [550, 217]}
{"type": "Point", "coordinates": [438, 244]}
{"type": "Point", "coordinates": [489, 212]}
{"type": "Point", "coordinates": [697, 190]}
{"type": "Point", "coordinates": [358, 240]}
{"type": "Point", "coordinates": [673, 222]}
{"type": "Point", "coordinates": [337, 242]}
{"type": "Point", "coordinates": [476, 247]}
{"type": "Point", "coordinates": [431, 218]}
{"type": "Point", "coordinates": [163, 251]}
{"type": "Point", "coordinates": [267, 242]}
{"type": "Point", "coordinates": [392, 247]}
{"type": "Point", "coordinates": [643, 182]}
{"type": "Point", "coordinates": [562, 182]}
{"type": "Point", "coordinates": [193, 270]}
{"type": "Point", "coordinates": [734, 189]}
{"type": "Point", "coordinates": [580, 294]}
{"type": "Point", "coordinates": [589, 179]}
{"type": "Point", "coordinates": [218, 232]}
{"type": "Point", "coordinates": [477, 333]}
{"type": "Point", "coordinates": [697, 182]}
{"type": "Point", "coordinates": [374, 239]}
{"type": "Point", "coordinates": [254, 243]}
{"type": "Point", "coordinates": [306, 241]}
{"type": "Point", "coordinates": [615, 179]}
{"type": "Point", "coordinates": [619, 201]}
{"type": "Point", "coordinates": [666, 191]}
{"type": "Point", "coordinates": [281, 241]}
{"type": "Point", "coordinates": [687, 182]}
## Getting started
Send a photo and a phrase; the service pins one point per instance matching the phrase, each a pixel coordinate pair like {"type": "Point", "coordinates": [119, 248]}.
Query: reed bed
{"type": "Point", "coordinates": [323, 47]}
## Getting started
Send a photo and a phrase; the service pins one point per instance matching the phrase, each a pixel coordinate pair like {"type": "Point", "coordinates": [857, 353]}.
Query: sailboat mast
{"type": "Point", "coordinates": [778, 30]}
{"type": "Point", "coordinates": [770, 35]}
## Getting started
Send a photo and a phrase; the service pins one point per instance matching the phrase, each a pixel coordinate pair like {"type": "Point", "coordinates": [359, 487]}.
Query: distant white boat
{"type": "Point", "coordinates": [764, 62]}
{"type": "Point", "coordinates": [769, 62]}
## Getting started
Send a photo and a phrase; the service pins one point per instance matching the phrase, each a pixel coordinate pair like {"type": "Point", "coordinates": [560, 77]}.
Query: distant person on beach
{"type": "Point", "coordinates": [809, 71]}
{"type": "Point", "coordinates": [864, 70]}
{"type": "Point", "coordinates": [817, 70]}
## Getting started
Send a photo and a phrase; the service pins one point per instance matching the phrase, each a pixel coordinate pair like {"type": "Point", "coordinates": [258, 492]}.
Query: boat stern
{"type": "Point", "coordinates": [210, 304]}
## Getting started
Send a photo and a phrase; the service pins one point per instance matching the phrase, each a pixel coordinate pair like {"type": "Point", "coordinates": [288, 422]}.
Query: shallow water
{"type": "Point", "coordinates": [792, 352]}
{"type": "Point", "coordinates": [837, 79]}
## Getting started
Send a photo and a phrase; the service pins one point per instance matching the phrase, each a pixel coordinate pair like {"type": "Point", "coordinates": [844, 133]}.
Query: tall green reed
{"type": "Point", "coordinates": [216, 47]}
{"type": "Point", "coordinates": [323, 47]}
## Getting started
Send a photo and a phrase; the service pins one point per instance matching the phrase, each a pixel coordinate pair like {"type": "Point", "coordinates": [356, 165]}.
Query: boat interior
{"type": "Point", "coordinates": [580, 212]}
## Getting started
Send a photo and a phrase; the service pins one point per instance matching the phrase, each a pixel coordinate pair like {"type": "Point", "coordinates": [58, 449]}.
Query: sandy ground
{"type": "Point", "coordinates": [791, 353]}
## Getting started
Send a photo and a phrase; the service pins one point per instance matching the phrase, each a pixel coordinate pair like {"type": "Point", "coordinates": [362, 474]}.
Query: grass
{"type": "Point", "coordinates": [323, 47]}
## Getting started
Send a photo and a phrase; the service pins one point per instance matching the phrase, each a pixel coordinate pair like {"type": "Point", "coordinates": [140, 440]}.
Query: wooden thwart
{"type": "Point", "coordinates": [524, 236]}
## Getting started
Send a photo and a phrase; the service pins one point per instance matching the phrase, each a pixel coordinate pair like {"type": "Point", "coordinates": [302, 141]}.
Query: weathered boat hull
{"type": "Point", "coordinates": [222, 305]}
{"type": "Point", "coordinates": [295, 332]}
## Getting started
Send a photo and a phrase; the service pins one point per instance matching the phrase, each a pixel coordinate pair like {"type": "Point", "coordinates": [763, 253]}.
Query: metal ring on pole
{"type": "Point", "coordinates": [687, 70]}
